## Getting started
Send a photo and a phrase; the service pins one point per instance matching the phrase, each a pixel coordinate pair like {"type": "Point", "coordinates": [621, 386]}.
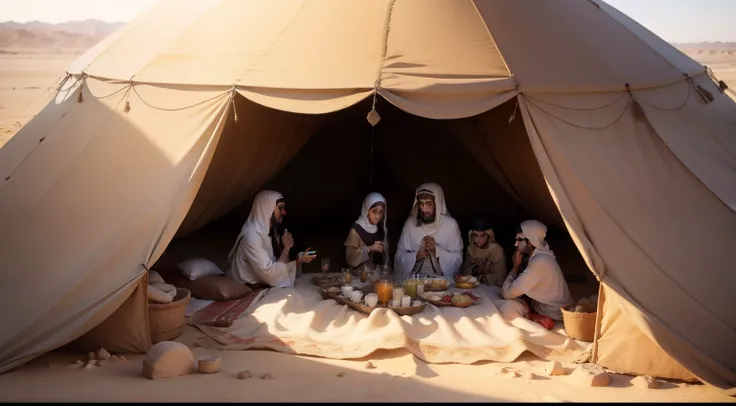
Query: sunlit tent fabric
{"type": "Point", "coordinates": [634, 140]}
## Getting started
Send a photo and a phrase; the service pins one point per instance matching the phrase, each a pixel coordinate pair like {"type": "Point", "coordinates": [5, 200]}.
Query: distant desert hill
{"type": "Point", "coordinates": [37, 35]}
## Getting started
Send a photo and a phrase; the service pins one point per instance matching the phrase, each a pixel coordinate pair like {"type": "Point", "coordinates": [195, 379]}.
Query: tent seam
{"type": "Point", "coordinates": [490, 34]}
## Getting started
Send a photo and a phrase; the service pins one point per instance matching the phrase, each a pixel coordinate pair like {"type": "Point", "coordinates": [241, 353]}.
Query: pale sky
{"type": "Point", "coordinates": [673, 20]}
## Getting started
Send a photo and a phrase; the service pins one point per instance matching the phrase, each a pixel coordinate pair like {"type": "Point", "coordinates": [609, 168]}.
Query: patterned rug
{"type": "Point", "coordinates": [223, 314]}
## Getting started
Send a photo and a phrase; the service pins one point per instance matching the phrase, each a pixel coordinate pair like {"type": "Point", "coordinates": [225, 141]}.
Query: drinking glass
{"type": "Point", "coordinates": [325, 265]}
{"type": "Point", "coordinates": [346, 276]}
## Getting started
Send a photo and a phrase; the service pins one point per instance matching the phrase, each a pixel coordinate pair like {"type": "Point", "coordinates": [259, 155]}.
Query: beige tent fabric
{"type": "Point", "coordinates": [684, 63]}
{"type": "Point", "coordinates": [632, 195]}
{"type": "Point", "coordinates": [498, 141]}
{"type": "Point", "coordinates": [125, 331]}
{"type": "Point", "coordinates": [252, 150]}
{"type": "Point", "coordinates": [700, 135]}
{"type": "Point", "coordinates": [623, 348]}
{"type": "Point", "coordinates": [79, 250]}
{"type": "Point", "coordinates": [298, 320]}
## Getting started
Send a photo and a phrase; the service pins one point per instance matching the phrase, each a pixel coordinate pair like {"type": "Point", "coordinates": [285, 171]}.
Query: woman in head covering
{"type": "Point", "coordinates": [367, 240]}
{"type": "Point", "coordinates": [484, 258]}
{"type": "Point", "coordinates": [261, 252]}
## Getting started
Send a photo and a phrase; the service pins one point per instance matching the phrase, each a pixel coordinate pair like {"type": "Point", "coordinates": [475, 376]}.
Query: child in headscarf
{"type": "Point", "coordinates": [484, 257]}
{"type": "Point", "coordinates": [367, 240]}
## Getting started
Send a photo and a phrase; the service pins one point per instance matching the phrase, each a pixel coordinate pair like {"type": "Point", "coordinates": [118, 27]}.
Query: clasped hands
{"type": "Point", "coordinates": [428, 245]}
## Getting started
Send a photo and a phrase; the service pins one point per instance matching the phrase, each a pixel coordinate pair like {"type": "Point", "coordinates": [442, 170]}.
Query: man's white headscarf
{"type": "Point", "coordinates": [535, 231]}
{"type": "Point", "coordinates": [259, 219]}
{"type": "Point", "coordinates": [439, 206]}
{"type": "Point", "coordinates": [363, 220]}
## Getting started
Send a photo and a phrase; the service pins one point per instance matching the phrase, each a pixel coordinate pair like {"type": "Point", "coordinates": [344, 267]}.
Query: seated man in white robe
{"type": "Point", "coordinates": [541, 281]}
{"type": "Point", "coordinates": [261, 251]}
{"type": "Point", "coordinates": [430, 242]}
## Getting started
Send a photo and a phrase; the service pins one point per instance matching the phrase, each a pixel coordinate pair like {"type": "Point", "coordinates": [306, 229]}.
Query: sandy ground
{"type": "Point", "coordinates": [27, 81]}
{"type": "Point", "coordinates": [397, 377]}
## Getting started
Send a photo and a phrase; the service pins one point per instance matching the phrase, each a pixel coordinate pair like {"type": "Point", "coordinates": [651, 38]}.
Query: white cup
{"type": "Point", "coordinates": [346, 290]}
{"type": "Point", "coordinates": [416, 303]}
{"type": "Point", "coordinates": [371, 300]}
{"type": "Point", "coordinates": [420, 288]}
{"type": "Point", "coordinates": [356, 295]}
{"type": "Point", "coordinates": [398, 293]}
{"type": "Point", "coordinates": [405, 301]}
{"type": "Point", "coordinates": [395, 303]}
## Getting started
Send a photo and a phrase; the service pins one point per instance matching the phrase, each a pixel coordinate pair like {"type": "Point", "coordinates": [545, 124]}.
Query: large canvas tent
{"type": "Point", "coordinates": [631, 144]}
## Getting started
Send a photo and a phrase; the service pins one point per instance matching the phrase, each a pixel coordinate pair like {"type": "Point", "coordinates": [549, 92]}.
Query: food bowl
{"type": "Point", "coordinates": [209, 364]}
{"type": "Point", "coordinates": [466, 281]}
{"type": "Point", "coordinates": [436, 284]}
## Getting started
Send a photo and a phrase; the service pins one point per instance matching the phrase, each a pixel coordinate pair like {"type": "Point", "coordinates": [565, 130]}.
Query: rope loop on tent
{"type": "Point", "coordinates": [219, 96]}
{"type": "Point", "coordinates": [516, 108]}
{"type": "Point", "coordinates": [679, 107]}
{"type": "Point", "coordinates": [601, 107]}
{"type": "Point", "coordinates": [620, 116]}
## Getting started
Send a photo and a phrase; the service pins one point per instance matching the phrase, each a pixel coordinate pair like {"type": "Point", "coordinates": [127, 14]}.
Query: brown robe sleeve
{"type": "Point", "coordinates": [356, 252]}
{"type": "Point", "coordinates": [498, 268]}
{"type": "Point", "coordinates": [468, 265]}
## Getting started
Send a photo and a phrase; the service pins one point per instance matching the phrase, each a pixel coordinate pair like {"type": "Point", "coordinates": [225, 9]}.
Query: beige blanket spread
{"type": "Point", "coordinates": [299, 321]}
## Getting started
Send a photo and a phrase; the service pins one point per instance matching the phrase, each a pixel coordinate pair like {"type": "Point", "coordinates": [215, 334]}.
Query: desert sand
{"type": "Point", "coordinates": [27, 82]}
{"type": "Point", "coordinates": [397, 377]}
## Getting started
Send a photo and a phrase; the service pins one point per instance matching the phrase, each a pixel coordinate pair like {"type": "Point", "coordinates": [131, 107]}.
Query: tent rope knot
{"type": "Point", "coordinates": [722, 86]}
{"type": "Point", "coordinates": [232, 94]}
{"type": "Point", "coordinates": [373, 117]}
{"type": "Point", "coordinates": [705, 95]}
{"type": "Point", "coordinates": [636, 108]}
{"type": "Point", "coordinates": [80, 94]}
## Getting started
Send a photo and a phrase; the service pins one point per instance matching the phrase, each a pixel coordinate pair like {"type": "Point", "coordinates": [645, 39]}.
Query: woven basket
{"type": "Point", "coordinates": [167, 319]}
{"type": "Point", "coordinates": [579, 326]}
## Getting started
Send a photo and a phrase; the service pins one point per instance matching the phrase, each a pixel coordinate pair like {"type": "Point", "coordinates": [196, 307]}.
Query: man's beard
{"type": "Point", "coordinates": [421, 219]}
{"type": "Point", "coordinates": [277, 225]}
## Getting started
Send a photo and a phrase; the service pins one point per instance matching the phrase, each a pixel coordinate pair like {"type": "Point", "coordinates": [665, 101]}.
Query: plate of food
{"type": "Point", "coordinates": [454, 299]}
{"type": "Point", "coordinates": [466, 281]}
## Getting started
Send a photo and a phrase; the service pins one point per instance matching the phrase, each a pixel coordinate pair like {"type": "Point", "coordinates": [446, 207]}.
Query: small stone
{"type": "Point", "coordinates": [508, 373]}
{"type": "Point", "coordinates": [115, 358]}
{"type": "Point", "coordinates": [341, 374]}
{"type": "Point", "coordinates": [580, 309]}
{"type": "Point", "coordinates": [554, 368]}
{"type": "Point", "coordinates": [267, 376]}
{"type": "Point", "coordinates": [89, 366]}
{"type": "Point", "coordinates": [530, 376]}
{"type": "Point", "coordinates": [102, 354]}
{"type": "Point", "coordinates": [92, 362]}
{"type": "Point", "coordinates": [49, 364]}
{"type": "Point", "coordinates": [103, 363]}
{"type": "Point", "coordinates": [79, 363]}
{"type": "Point", "coordinates": [91, 356]}
{"type": "Point", "coordinates": [370, 365]}
{"type": "Point", "coordinates": [122, 358]}
{"type": "Point", "coordinates": [244, 375]}
{"type": "Point", "coordinates": [168, 359]}
{"type": "Point", "coordinates": [590, 375]}
{"type": "Point", "coordinates": [645, 382]}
